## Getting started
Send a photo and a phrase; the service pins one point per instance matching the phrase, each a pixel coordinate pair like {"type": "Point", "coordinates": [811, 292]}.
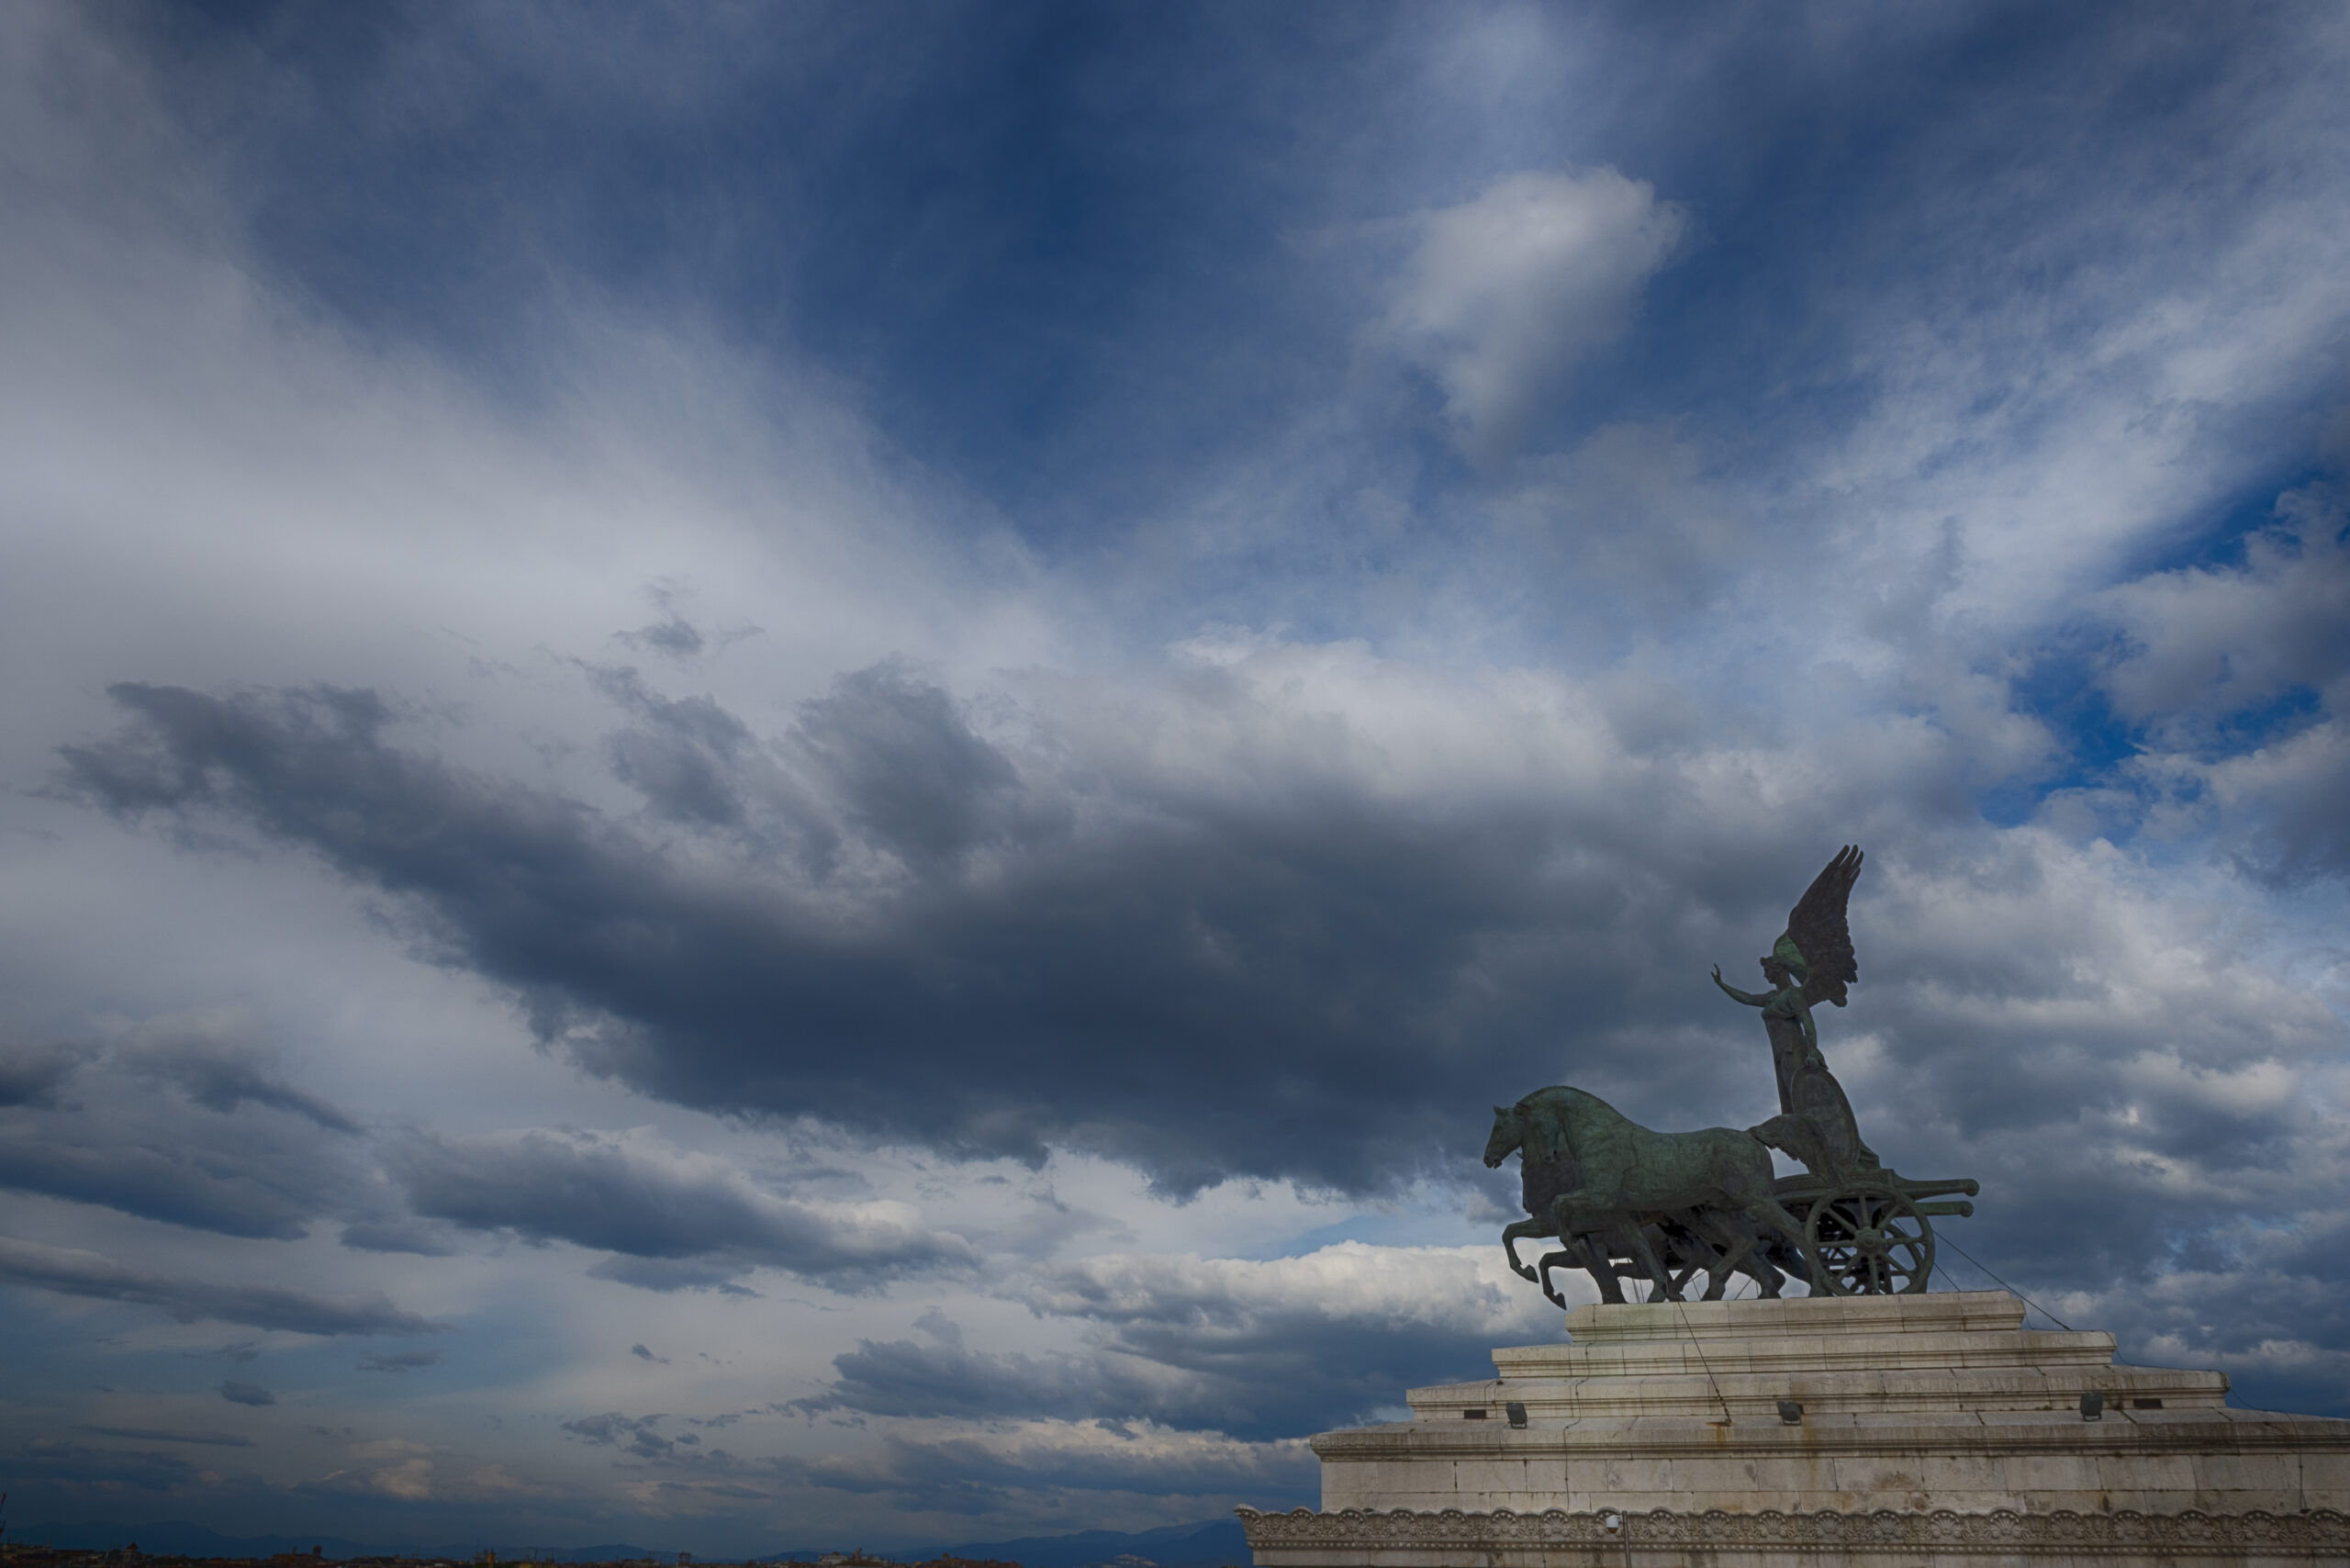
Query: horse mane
{"type": "Point", "coordinates": [1541, 1131]}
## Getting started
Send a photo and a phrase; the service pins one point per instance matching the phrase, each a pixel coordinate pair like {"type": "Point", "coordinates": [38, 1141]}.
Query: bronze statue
{"type": "Point", "coordinates": [1811, 962]}
{"type": "Point", "coordinates": [1672, 1205]}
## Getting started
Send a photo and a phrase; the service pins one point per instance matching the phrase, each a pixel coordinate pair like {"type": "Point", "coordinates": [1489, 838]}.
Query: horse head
{"type": "Point", "coordinates": [1508, 1132]}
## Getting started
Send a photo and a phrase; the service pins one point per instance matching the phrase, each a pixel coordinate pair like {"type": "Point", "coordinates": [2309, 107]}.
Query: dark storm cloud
{"type": "Point", "coordinates": [904, 767]}
{"type": "Point", "coordinates": [30, 1075]}
{"type": "Point", "coordinates": [164, 1435]}
{"type": "Point", "coordinates": [102, 1471]}
{"type": "Point", "coordinates": [665, 1275]}
{"type": "Point", "coordinates": [180, 1185]}
{"type": "Point", "coordinates": [400, 1360]}
{"type": "Point", "coordinates": [595, 1192]}
{"type": "Point", "coordinates": [681, 755]}
{"type": "Point", "coordinates": [252, 1394]}
{"type": "Point", "coordinates": [398, 1235]}
{"type": "Point", "coordinates": [636, 1433]}
{"type": "Point", "coordinates": [1266, 978]}
{"type": "Point", "coordinates": [221, 1072]}
{"type": "Point", "coordinates": [158, 1126]}
{"type": "Point", "coordinates": [72, 1271]}
{"type": "Point", "coordinates": [902, 1377]}
{"type": "Point", "coordinates": [1243, 957]}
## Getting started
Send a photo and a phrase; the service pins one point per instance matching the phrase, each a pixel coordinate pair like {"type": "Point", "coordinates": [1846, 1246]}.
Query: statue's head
{"type": "Point", "coordinates": [1786, 963]}
{"type": "Point", "coordinates": [1505, 1138]}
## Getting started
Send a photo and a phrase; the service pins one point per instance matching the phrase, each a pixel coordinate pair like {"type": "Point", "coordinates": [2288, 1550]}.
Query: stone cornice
{"type": "Point", "coordinates": [1350, 1535]}
{"type": "Point", "coordinates": [1664, 1438]}
{"type": "Point", "coordinates": [1829, 1316]}
{"type": "Point", "coordinates": [1765, 1354]}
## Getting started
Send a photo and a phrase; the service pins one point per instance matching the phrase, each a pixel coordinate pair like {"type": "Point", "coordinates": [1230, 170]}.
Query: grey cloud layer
{"type": "Point", "coordinates": [971, 1471]}
{"type": "Point", "coordinates": [1216, 919]}
{"type": "Point", "coordinates": [1263, 975]}
{"type": "Point", "coordinates": [76, 1273]}
{"type": "Point", "coordinates": [595, 1192]}
{"type": "Point", "coordinates": [156, 1126]}
{"type": "Point", "coordinates": [963, 1468]}
{"type": "Point", "coordinates": [220, 1071]}
{"type": "Point", "coordinates": [1258, 1350]}
{"type": "Point", "coordinates": [1243, 939]}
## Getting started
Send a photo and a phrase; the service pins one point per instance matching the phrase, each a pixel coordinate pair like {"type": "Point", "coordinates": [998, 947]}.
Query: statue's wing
{"type": "Point", "coordinates": [1819, 928]}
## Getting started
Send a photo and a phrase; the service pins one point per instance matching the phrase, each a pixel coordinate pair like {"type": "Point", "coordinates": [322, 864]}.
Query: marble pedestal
{"type": "Point", "coordinates": [1931, 1429]}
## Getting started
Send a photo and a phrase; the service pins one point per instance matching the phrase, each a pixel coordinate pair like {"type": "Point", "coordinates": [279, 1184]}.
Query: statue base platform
{"type": "Point", "coordinates": [1919, 1429]}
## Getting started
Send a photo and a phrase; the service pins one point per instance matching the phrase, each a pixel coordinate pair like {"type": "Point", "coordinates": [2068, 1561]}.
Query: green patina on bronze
{"type": "Point", "coordinates": [1811, 962]}
{"type": "Point", "coordinates": [1627, 1201]}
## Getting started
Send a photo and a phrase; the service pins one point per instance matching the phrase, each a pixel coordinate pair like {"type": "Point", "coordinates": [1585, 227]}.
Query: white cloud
{"type": "Point", "coordinates": [1505, 292]}
{"type": "Point", "coordinates": [1466, 1290]}
{"type": "Point", "coordinates": [2209, 641]}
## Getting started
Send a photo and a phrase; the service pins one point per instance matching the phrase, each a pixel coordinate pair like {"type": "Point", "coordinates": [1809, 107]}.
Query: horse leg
{"type": "Point", "coordinates": [1750, 1255]}
{"type": "Point", "coordinates": [1623, 1228]}
{"type": "Point", "coordinates": [1555, 1260]}
{"type": "Point", "coordinates": [1754, 1260]}
{"type": "Point", "coordinates": [1694, 1249]}
{"type": "Point", "coordinates": [1570, 1227]}
{"type": "Point", "coordinates": [1765, 1213]}
{"type": "Point", "coordinates": [1515, 1232]}
{"type": "Point", "coordinates": [1645, 1255]}
{"type": "Point", "coordinates": [1597, 1263]}
{"type": "Point", "coordinates": [1729, 1242]}
{"type": "Point", "coordinates": [1777, 1254]}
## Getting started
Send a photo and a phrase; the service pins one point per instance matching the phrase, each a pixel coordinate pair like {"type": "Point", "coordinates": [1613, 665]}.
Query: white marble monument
{"type": "Point", "coordinates": [1919, 1429]}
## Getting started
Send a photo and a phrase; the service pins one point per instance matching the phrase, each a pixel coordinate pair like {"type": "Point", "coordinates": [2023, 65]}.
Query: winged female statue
{"type": "Point", "coordinates": [1811, 962]}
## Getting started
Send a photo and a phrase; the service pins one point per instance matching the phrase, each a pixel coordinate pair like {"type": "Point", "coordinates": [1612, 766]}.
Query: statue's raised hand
{"type": "Point", "coordinates": [1734, 993]}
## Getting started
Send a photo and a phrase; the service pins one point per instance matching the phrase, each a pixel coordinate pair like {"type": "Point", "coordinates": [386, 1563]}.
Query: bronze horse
{"type": "Point", "coordinates": [1604, 1185]}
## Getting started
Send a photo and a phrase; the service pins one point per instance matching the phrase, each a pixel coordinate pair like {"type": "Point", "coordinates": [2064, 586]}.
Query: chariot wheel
{"type": "Point", "coordinates": [1868, 1241]}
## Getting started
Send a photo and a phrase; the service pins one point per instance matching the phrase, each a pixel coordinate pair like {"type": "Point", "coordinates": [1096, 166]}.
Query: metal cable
{"type": "Point", "coordinates": [2007, 1287]}
{"type": "Point", "coordinates": [1684, 1310]}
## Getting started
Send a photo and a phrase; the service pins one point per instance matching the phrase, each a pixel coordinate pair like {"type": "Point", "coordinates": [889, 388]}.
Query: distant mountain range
{"type": "Point", "coordinates": [1216, 1544]}
{"type": "Point", "coordinates": [1212, 1545]}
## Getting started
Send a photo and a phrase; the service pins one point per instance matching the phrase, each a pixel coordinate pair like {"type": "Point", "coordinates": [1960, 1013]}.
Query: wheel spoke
{"type": "Point", "coordinates": [1869, 1241]}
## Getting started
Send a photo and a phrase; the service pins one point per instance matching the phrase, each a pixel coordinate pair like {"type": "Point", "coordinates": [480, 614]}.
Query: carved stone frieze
{"type": "Point", "coordinates": [1346, 1535]}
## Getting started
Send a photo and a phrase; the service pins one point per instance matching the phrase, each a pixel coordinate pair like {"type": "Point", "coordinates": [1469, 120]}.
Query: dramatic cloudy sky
{"type": "Point", "coordinates": [796, 774]}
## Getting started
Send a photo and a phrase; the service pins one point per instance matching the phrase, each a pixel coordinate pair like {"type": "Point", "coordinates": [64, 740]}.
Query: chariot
{"type": "Point", "coordinates": [1873, 1237]}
